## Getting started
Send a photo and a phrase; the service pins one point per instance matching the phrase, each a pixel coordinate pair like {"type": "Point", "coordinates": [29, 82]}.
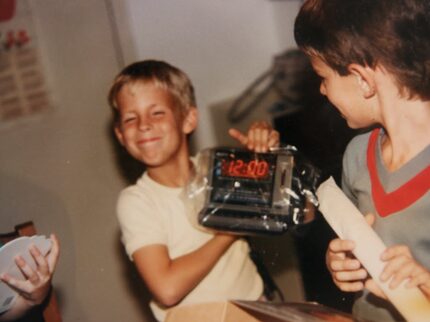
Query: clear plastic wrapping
{"type": "Point", "coordinates": [239, 191]}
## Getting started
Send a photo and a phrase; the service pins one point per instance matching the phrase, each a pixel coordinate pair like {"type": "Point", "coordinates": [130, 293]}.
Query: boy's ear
{"type": "Point", "coordinates": [118, 134]}
{"type": "Point", "coordinates": [190, 121]}
{"type": "Point", "coordinates": [365, 79]}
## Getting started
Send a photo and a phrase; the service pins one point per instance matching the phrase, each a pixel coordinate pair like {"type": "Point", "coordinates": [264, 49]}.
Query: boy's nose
{"type": "Point", "coordinates": [144, 124]}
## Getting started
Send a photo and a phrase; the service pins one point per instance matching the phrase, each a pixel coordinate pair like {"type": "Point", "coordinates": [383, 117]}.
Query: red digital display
{"type": "Point", "coordinates": [254, 169]}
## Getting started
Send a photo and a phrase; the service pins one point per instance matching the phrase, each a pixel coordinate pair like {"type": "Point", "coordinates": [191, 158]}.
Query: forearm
{"type": "Point", "coordinates": [19, 309]}
{"type": "Point", "coordinates": [173, 279]}
{"type": "Point", "coordinates": [187, 271]}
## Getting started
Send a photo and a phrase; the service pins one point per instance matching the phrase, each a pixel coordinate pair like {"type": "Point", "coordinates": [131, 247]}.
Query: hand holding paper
{"type": "Point", "coordinates": [349, 224]}
{"type": "Point", "coordinates": [400, 265]}
{"type": "Point", "coordinates": [347, 272]}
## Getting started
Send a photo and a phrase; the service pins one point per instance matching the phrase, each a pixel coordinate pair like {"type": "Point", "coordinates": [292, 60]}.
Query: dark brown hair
{"type": "Point", "coordinates": [392, 33]}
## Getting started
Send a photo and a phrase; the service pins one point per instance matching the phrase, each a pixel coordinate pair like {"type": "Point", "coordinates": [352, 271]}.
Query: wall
{"type": "Point", "coordinates": [61, 170]}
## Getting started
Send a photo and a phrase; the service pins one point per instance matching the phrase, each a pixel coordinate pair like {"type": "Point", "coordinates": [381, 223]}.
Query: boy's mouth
{"type": "Point", "coordinates": [148, 141]}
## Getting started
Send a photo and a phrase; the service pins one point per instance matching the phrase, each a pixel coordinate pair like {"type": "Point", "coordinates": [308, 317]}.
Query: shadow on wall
{"type": "Point", "coordinates": [139, 292]}
{"type": "Point", "coordinates": [21, 201]}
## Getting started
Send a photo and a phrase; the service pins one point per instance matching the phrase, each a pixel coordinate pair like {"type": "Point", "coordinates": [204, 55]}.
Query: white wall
{"type": "Point", "coordinates": [61, 170]}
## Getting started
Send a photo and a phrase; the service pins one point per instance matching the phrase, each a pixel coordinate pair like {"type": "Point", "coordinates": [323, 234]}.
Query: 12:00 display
{"type": "Point", "coordinates": [257, 169]}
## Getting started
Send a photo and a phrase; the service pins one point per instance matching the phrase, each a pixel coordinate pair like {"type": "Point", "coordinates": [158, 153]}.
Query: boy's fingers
{"type": "Point", "coordinates": [374, 288]}
{"type": "Point", "coordinates": [260, 125]}
{"type": "Point", "coordinates": [399, 264]}
{"type": "Point", "coordinates": [274, 139]}
{"type": "Point", "coordinates": [398, 268]}
{"type": "Point", "coordinates": [21, 286]}
{"type": "Point", "coordinates": [54, 253]}
{"type": "Point", "coordinates": [5, 277]}
{"type": "Point", "coordinates": [350, 286]}
{"type": "Point", "coordinates": [42, 264]}
{"type": "Point", "coordinates": [341, 245]}
{"type": "Point", "coordinates": [351, 276]}
{"type": "Point", "coordinates": [399, 276]}
{"type": "Point", "coordinates": [259, 138]}
{"type": "Point", "coordinates": [337, 257]}
{"type": "Point", "coordinates": [251, 140]}
{"type": "Point", "coordinates": [349, 282]}
{"type": "Point", "coordinates": [420, 277]}
{"type": "Point", "coordinates": [236, 134]}
{"type": "Point", "coordinates": [346, 272]}
{"type": "Point", "coordinates": [347, 265]}
{"type": "Point", "coordinates": [9, 280]}
{"type": "Point", "coordinates": [25, 268]}
{"type": "Point", "coordinates": [370, 219]}
{"type": "Point", "coordinates": [264, 140]}
{"type": "Point", "coordinates": [396, 251]}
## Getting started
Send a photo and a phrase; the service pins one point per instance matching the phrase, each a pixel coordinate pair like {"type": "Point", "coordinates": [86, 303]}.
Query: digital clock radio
{"type": "Point", "coordinates": [248, 192]}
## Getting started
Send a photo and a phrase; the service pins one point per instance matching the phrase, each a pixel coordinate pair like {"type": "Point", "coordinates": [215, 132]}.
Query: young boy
{"type": "Point", "coordinates": [155, 112]}
{"type": "Point", "coordinates": [373, 57]}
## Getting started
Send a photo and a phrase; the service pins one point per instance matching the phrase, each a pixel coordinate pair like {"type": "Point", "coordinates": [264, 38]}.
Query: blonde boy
{"type": "Point", "coordinates": [155, 112]}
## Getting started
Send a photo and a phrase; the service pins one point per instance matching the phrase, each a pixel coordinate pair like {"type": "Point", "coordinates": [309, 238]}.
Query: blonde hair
{"type": "Point", "coordinates": [160, 74]}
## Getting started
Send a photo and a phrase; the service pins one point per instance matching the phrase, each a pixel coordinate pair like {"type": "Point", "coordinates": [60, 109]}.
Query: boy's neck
{"type": "Point", "coordinates": [175, 174]}
{"type": "Point", "coordinates": [404, 119]}
{"type": "Point", "coordinates": [407, 131]}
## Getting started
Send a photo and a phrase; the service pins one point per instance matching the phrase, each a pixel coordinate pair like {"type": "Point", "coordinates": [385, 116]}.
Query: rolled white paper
{"type": "Point", "coordinates": [348, 223]}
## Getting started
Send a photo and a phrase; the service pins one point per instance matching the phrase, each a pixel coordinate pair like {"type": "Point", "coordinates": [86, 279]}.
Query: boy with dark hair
{"type": "Point", "coordinates": [155, 112]}
{"type": "Point", "coordinates": [373, 57]}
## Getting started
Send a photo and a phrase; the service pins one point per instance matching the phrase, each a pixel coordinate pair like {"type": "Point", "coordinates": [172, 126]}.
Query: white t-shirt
{"type": "Point", "coordinates": [150, 213]}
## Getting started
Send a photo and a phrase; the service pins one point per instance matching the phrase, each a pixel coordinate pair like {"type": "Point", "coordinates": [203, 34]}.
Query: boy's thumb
{"type": "Point", "coordinates": [370, 219]}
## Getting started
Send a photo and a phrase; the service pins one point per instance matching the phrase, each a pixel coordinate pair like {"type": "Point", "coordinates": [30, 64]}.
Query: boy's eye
{"type": "Point", "coordinates": [158, 112]}
{"type": "Point", "coordinates": [128, 119]}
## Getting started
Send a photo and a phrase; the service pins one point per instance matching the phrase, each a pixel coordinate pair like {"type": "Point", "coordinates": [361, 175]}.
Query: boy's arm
{"type": "Point", "coordinates": [170, 280]}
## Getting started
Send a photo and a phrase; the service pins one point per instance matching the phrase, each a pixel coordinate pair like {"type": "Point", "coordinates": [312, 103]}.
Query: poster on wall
{"type": "Point", "coordinates": [24, 92]}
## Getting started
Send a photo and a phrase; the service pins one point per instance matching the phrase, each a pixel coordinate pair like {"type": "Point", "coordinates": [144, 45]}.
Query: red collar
{"type": "Point", "coordinates": [404, 196]}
